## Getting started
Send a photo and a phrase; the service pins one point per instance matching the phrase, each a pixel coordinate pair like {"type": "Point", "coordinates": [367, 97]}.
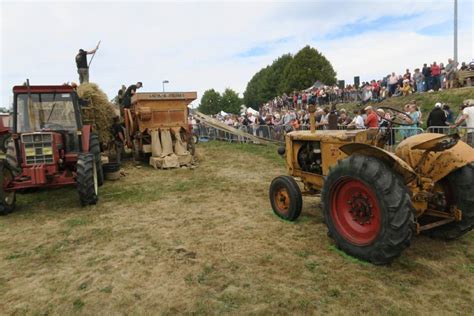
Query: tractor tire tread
{"type": "Point", "coordinates": [394, 201]}
{"type": "Point", "coordinates": [462, 184]}
{"type": "Point", "coordinates": [85, 179]}
{"type": "Point", "coordinates": [94, 147]}
{"type": "Point", "coordinates": [296, 199]}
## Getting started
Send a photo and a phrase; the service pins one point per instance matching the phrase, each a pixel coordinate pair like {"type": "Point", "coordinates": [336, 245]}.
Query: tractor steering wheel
{"type": "Point", "coordinates": [395, 117]}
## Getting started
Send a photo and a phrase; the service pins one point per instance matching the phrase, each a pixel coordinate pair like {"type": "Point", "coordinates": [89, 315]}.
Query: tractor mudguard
{"type": "Point", "coordinates": [438, 162]}
{"type": "Point", "coordinates": [86, 134]}
{"type": "Point", "coordinates": [397, 164]}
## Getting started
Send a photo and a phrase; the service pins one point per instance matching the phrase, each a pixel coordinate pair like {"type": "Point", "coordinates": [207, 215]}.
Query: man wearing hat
{"type": "Point", "coordinates": [82, 65]}
{"type": "Point", "coordinates": [371, 121]}
{"type": "Point", "coordinates": [437, 117]}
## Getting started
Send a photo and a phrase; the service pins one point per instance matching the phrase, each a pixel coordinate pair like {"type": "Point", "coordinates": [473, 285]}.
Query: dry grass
{"type": "Point", "coordinates": [205, 241]}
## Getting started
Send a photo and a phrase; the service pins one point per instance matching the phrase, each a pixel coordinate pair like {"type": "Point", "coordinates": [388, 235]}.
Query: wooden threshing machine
{"type": "Point", "coordinates": [158, 129]}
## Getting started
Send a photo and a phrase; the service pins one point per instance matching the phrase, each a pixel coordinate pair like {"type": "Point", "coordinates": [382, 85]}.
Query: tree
{"type": "Point", "coordinates": [266, 84]}
{"type": "Point", "coordinates": [230, 101]}
{"type": "Point", "coordinates": [210, 102]}
{"type": "Point", "coordinates": [213, 102]}
{"type": "Point", "coordinates": [307, 67]}
{"type": "Point", "coordinates": [254, 93]}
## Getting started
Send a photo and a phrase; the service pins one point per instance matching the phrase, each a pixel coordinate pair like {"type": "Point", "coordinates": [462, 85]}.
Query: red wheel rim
{"type": "Point", "coordinates": [355, 211]}
{"type": "Point", "coordinates": [282, 200]}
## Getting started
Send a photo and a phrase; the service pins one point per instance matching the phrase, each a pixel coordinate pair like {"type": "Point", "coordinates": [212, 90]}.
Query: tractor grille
{"type": "Point", "coordinates": [38, 148]}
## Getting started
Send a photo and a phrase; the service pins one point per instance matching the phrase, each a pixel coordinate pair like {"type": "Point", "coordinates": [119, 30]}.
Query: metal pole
{"type": "Point", "coordinates": [163, 86]}
{"type": "Point", "coordinates": [92, 58]}
{"type": "Point", "coordinates": [456, 31]}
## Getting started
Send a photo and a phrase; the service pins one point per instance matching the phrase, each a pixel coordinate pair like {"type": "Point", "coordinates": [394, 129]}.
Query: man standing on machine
{"type": "Point", "coordinates": [82, 65]}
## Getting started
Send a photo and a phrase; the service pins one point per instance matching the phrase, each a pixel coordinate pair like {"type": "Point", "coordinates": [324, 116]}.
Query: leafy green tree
{"type": "Point", "coordinates": [266, 84]}
{"type": "Point", "coordinates": [307, 67]}
{"type": "Point", "coordinates": [230, 101]}
{"type": "Point", "coordinates": [254, 94]}
{"type": "Point", "coordinates": [213, 102]}
{"type": "Point", "coordinates": [210, 102]}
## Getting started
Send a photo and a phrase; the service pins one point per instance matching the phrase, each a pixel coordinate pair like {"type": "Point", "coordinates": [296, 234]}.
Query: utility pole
{"type": "Point", "coordinates": [456, 31]}
{"type": "Point", "coordinates": [164, 81]}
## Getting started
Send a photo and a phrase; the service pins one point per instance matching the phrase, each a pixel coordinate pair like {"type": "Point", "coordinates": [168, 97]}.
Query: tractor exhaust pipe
{"type": "Point", "coordinates": [312, 121]}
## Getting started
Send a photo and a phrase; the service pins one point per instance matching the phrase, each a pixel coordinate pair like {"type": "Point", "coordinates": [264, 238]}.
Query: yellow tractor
{"type": "Point", "coordinates": [374, 200]}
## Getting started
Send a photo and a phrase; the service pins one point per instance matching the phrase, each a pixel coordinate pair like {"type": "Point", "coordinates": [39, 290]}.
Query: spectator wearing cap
{"type": "Point", "coordinates": [371, 121]}
{"type": "Point", "coordinates": [437, 117]}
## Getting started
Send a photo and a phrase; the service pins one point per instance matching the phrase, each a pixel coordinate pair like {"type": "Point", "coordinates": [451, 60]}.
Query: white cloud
{"type": "Point", "coordinates": [196, 45]}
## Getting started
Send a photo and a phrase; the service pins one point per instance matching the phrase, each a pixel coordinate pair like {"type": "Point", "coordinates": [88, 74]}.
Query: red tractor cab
{"type": "Point", "coordinates": [50, 146]}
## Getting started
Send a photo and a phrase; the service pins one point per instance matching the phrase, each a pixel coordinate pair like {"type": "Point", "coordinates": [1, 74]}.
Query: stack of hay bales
{"type": "Point", "coordinates": [99, 113]}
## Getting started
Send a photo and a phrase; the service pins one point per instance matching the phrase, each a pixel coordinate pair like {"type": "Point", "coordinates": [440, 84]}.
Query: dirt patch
{"type": "Point", "coordinates": [205, 241]}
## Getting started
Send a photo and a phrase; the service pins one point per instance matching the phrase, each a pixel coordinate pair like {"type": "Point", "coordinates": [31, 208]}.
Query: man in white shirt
{"type": "Point", "coordinates": [392, 83]}
{"type": "Point", "coordinates": [468, 117]}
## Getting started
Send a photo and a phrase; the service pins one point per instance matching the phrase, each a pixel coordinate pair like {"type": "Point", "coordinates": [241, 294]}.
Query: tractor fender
{"type": "Point", "coordinates": [86, 135]}
{"type": "Point", "coordinates": [394, 162]}
{"type": "Point", "coordinates": [437, 164]}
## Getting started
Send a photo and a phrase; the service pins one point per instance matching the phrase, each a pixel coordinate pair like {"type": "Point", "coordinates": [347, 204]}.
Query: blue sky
{"type": "Point", "coordinates": [198, 45]}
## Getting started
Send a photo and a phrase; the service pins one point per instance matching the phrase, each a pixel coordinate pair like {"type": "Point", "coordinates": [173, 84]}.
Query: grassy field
{"type": "Point", "coordinates": [205, 241]}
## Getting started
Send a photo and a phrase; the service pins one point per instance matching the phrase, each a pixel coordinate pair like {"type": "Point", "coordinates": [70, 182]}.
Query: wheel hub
{"type": "Point", "coordinates": [282, 199]}
{"type": "Point", "coordinates": [361, 208]}
{"type": "Point", "coordinates": [355, 211]}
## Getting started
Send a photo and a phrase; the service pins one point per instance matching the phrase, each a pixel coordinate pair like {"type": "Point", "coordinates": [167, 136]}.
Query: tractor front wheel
{"type": "Point", "coordinates": [285, 198]}
{"type": "Point", "coordinates": [367, 209]}
{"type": "Point", "coordinates": [87, 179]}
{"type": "Point", "coordinates": [7, 199]}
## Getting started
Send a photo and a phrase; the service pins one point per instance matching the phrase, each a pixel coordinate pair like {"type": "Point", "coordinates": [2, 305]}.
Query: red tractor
{"type": "Point", "coordinates": [50, 146]}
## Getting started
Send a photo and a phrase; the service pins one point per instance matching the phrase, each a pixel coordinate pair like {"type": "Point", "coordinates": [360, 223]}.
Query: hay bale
{"type": "Point", "coordinates": [99, 113]}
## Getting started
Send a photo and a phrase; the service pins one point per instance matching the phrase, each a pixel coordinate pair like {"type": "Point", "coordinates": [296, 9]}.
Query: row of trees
{"type": "Point", "coordinates": [213, 102]}
{"type": "Point", "coordinates": [286, 74]}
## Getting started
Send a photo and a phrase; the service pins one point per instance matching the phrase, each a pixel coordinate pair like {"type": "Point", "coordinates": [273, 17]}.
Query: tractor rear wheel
{"type": "Point", "coordinates": [10, 156]}
{"type": "Point", "coordinates": [7, 199]}
{"type": "Point", "coordinates": [285, 198]}
{"type": "Point", "coordinates": [367, 209]}
{"type": "Point", "coordinates": [461, 185]}
{"type": "Point", "coordinates": [4, 140]}
{"type": "Point", "coordinates": [94, 148]}
{"type": "Point", "coordinates": [87, 180]}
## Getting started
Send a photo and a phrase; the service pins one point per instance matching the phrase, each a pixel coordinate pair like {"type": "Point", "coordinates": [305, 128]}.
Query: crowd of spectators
{"type": "Point", "coordinates": [429, 78]}
{"type": "Point", "coordinates": [290, 111]}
